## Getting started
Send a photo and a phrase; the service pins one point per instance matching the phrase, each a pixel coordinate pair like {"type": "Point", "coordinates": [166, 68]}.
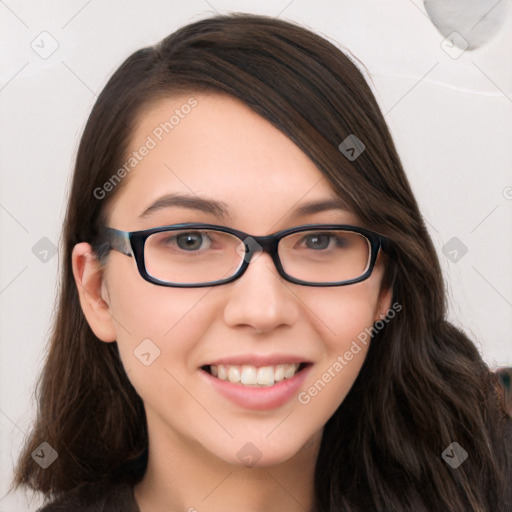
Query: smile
{"type": "Point", "coordinates": [250, 375]}
{"type": "Point", "coordinates": [258, 388]}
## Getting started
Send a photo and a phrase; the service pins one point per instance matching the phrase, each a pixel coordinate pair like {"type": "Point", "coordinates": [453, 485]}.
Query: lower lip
{"type": "Point", "coordinates": [259, 398]}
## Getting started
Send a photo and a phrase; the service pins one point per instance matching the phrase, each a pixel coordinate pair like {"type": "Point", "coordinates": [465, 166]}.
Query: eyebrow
{"type": "Point", "coordinates": [221, 209]}
{"type": "Point", "coordinates": [217, 208]}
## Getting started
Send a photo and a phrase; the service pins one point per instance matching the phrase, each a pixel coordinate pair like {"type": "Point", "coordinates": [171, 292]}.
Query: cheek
{"type": "Point", "coordinates": [157, 327]}
{"type": "Point", "coordinates": [344, 317]}
{"type": "Point", "coordinates": [339, 314]}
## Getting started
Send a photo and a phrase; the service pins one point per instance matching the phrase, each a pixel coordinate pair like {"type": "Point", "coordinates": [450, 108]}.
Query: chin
{"type": "Point", "coordinates": [264, 453]}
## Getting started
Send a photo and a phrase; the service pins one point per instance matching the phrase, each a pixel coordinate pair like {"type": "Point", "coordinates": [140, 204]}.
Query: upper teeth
{"type": "Point", "coordinates": [252, 375]}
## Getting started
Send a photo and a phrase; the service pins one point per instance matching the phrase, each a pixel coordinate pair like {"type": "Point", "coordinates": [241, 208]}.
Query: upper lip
{"type": "Point", "coordinates": [257, 360]}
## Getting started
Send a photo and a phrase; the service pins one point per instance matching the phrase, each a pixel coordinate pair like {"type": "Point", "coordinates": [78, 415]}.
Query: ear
{"type": "Point", "coordinates": [92, 291]}
{"type": "Point", "coordinates": [386, 288]}
{"type": "Point", "coordinates": [384, 303]}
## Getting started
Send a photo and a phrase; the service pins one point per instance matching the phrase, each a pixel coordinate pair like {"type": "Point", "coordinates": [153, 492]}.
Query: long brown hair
{"type": "Point", "coordinates": [423, 384]}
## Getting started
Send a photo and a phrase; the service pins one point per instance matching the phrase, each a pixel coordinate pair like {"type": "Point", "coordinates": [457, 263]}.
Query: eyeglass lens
{"type": "Point", "coordinates": [206, 255]}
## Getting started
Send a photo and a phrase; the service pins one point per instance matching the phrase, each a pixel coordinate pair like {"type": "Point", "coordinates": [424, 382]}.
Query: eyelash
{"type": "Point", "coordinates": [339, 241]}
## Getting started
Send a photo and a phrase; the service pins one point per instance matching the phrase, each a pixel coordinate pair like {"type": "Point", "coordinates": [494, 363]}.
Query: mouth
{"type": "Point", "coordinates": [255, 376]}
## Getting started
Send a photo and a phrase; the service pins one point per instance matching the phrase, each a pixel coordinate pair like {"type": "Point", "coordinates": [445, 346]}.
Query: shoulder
{"type": "Point", "coordinates": [95, 497]}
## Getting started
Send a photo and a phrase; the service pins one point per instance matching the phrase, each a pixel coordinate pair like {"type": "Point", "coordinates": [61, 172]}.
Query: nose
{"type": "Point", "coordinates": [261, 298]}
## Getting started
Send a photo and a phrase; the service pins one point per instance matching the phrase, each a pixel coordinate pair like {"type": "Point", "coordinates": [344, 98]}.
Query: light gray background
{"type": "Point", "coordinates": [450, 118]}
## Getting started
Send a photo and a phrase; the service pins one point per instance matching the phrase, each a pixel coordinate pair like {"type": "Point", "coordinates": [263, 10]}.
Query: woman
{"type": "Point", "coordinates": [198, 363]}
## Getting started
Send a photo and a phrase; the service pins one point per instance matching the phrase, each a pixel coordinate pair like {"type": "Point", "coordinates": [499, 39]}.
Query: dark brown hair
{"type": "Point", "coordinates": [423, 384]}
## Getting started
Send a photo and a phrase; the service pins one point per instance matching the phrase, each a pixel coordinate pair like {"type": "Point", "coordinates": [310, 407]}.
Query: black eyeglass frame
{"type": "Point", "coordinates": [131, 243]}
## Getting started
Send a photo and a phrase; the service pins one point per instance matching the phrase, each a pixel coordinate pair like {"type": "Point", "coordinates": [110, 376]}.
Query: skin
{"type": "Point", "coordinates": [223, 150]}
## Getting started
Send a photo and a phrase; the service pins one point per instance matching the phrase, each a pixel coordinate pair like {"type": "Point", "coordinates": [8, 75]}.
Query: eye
{"type": "Point", "coordinates": [189, 241]}
{"type": "Point", "coordinates": [320, 241]}
{"type": "Point", "coordinates": [317, 241]}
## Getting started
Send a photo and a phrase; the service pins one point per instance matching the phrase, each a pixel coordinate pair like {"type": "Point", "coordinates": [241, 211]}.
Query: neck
{"type": "Point", "coordinates": [181, 477]}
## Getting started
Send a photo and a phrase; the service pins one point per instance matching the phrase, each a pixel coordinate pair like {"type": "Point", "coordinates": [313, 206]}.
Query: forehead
{"type": "Point", "coordinates": [212, 145]}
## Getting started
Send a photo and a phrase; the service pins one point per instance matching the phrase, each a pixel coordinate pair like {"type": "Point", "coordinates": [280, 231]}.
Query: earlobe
{"type": "Point", "coordinates": [92, 291]}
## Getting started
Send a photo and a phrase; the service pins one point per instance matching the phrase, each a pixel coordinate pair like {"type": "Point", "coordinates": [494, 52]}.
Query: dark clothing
{"type": "Point", "coordinates": [96, 498]}
{"type": "Point", "coordinates": [115, 495]}
{"type": "Point", "coordinates": [110, 497]}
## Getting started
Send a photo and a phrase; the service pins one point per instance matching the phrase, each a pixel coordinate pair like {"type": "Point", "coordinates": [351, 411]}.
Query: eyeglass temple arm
{"type": "Point", "coordinates": [387, 244]}
{"type": "Point", "coordinates": [115, 239]}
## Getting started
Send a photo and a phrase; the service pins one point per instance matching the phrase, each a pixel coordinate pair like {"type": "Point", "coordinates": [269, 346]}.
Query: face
{"type": "Point", "coordinates": [169, 338]}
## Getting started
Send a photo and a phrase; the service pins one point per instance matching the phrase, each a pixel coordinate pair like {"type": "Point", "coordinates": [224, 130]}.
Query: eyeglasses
{"type": "Point", "coordinates": [194, 255]}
